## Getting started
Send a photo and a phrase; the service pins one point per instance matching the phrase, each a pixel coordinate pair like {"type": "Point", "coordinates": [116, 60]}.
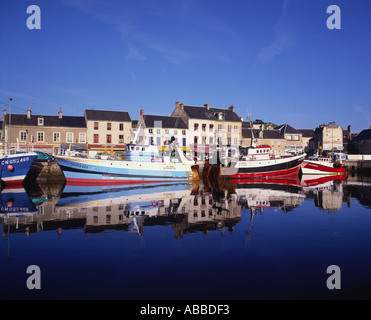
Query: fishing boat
{"type": "Point", "coordinates": [258, 161]}
{"type": "Point", "coordinates": [148, 166]}
{"type": "Point", "coordinates": [15, 167]}
{"type": "Point", "coordinates": [323, 165]}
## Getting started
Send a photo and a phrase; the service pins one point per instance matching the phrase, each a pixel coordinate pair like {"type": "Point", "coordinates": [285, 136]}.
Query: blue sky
{"type": "Point", "coordinates": [273, 58]}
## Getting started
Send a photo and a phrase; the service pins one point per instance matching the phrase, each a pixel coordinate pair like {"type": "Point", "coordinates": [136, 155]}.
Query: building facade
{"type": "Point", "coordinates": [156, 130]}
{"type": "Point", "coordinates": [43, 133]}
{"type": "Point", "coordinates": [209, 127]}
{"type": "Point", "coordinates": [107, 130]}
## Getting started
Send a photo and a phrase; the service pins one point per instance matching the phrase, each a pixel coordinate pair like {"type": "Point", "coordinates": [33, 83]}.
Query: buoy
{"type": "Point", "coordinates": [154, 204]}
{"type": "Point", "coordinates": [10, 167]}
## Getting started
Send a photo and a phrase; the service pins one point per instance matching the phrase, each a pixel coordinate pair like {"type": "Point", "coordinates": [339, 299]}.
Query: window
{"type": "Point", "coordinates": [40, 121]}
{"type": "Point", "coordinates": [236, 129]}
{"type": "Point", "coordinates": [109, 126]}
{"type": "Point", "coordinates": [219, 127]}
{"type": "Point", "coordinates": [166, 131]}
{"type": "Point", "coordinates": [229, 141]}
{"type": "Point", "coordinates": [289, 137]}
{"type": "Point", "coordinates": [158, 131]}
{"type": "Point", "coordinates": [158, 141]}
{"type": "Point", "coordinates": [40, 136]}
{"type": "Point", "coordinates": [211, 140]}
{"type": "Point", "coordinates": [82, 137]}
{"type": "Point", "coordinates": [23, 135]}
{"type": "Point", "coordinates": [56, 137]}
{"type": "Point", "coordinates": [121, 138]}
{"type": "Point", "coordinates": [196, 126]}
{"type": "Point", "coordinates": [175, 132]}
{"type": "Point", "coordinates": [184, 142]}
{"type": "Point", "coordinates": [203, 140]}
{"type": "Point", "coordinates": [183, 132]}
{"type": "Point", "coordinates": [235, 141]}
{"type": "Point", "coordinates": [195, 140]}
{"type": "Point", "coordinates": [109, 138]}
{"type": "Point", "coordinates": [204, 127]}
{"type": "Point", "coordinates": [150, 130]}
{"type": "Point", "coordinates": [69, 137]}
{"type": "Point", "coordinates": [229, 128]}
{"type": "Point", "coordinates": [96, 125]}
{"type": "Point", "coordinates": [296, 137]}
{"type": "Point", "coordinates": [121, 126]}
{"type": "Point", "coordinates": [211, 127]}
{"type": "Point", "coordinates": [96, 138]}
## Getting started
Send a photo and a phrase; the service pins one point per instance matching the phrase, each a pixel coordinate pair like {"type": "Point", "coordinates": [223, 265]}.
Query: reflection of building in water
{"type": "Point", "coordinates": [327, 193]}
{"type": "Point", "coordinates": [204, 211]}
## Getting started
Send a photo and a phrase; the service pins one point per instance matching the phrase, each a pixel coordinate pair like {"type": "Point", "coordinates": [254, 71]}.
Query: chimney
{"type": "Point", "coordinates": [179, 105]}
{"type": "Point", "coordinates": [141, 112]}
{"type": "Point", "coordinates": [28, 113]}
{"type": "Point", "coordinates": [4, 112]}
{"type": "Point", "coordinates": [207, 106]}
{"type": "Point", "coordinates": [60, 113]}
{"type": "Point", "coordinates": [231, 108]}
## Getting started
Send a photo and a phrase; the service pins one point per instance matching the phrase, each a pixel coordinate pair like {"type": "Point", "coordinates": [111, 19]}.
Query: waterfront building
{"type": "Point", "coordinates": [43, 133]}
{"type": "Point", "coordinates": [329, 137]}
{"type": "Point", "coordinates": [263, 137]}
{"type": "Point", "coordinates": [293, 139]}
{"type": "Point", "coordinates": [362, 142]}
{"type": "Point", "coordinates": [209, 127]}
{"type": "Point", "coordinates": [107, 130]}
{"type": "Point", "coordinates": [308, 140]}
{"type": "Point", "coordinates": [156, 130]}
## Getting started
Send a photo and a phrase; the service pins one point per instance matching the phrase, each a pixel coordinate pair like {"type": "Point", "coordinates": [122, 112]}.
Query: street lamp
{"type": "Point", "coordinates": [10, 120]}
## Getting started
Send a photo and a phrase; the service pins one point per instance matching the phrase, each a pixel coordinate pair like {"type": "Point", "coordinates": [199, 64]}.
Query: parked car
{"type": "Point", "coordinates": [42, 156]}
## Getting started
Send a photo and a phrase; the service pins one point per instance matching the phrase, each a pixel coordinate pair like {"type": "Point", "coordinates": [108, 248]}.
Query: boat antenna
{"type": "Point", "coordinates": [249, 117]}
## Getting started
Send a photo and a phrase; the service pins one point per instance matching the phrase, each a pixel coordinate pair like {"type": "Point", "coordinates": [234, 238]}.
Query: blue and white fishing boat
{"type": "Point", "coordinates": [15, 167]}
{"type": "Point", "coordinates": [144, 164]}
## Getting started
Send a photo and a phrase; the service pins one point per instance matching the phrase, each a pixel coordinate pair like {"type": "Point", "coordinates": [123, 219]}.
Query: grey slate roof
{"type": "Point", "coordinates": [307, 133]}
{"type": "Point", "coordinates": [92, 114]}
{"type": "Point", "coordinates": [49, 121]}
{"type": "Point", "coordinates": [363, 135]}
{"type": "Point", "coordinates": [167, 122]}
{"type": "Point", "coordinates": [202, 113]}
{"type": "Point", "coordinates": [267, 134]}
{"type": "Point", "coordinates": [285, 128]}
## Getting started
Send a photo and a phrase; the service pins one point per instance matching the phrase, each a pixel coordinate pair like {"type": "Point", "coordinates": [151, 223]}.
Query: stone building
{"type": "Point", "coordinates": [362, 142]}
{"type": "Point", "coordinates": [107, 130]}
{"type": "Point", "coordinates": [209, 127]}
{"type": "Point", "coordinates": [43, 133]}
{"type": "Point", "coordinates": [329, 137]}
{"type": "Point", "coordinates": [156, 129]}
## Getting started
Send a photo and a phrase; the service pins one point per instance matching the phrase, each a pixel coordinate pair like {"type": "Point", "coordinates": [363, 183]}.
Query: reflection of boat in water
{"type": "Point", "coordinates": [318, 181]}
{"type": "Point", "coordinates": [258, 194]}
{"type": "Point", "coordinates": [17, 208]}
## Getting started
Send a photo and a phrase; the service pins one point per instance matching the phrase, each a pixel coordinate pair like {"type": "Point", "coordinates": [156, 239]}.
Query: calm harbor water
{"type": "Point", "coordinates": [264, 239]}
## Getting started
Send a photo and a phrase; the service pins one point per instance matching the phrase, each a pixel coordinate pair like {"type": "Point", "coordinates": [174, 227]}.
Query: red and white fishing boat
{"type": "Point", "coordinates": [259, 162]}
{"type": "Point", "coordinates": [322, 165]}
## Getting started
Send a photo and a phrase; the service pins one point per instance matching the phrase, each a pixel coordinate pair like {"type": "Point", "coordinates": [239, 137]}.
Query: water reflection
{"type": "Point", "coordinates": [187, 208]}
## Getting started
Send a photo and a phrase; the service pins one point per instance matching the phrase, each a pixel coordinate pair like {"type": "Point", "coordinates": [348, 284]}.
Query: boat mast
{"type": "Point", "coordinates": [249, 117]}
{"type": "Point", "coordinates": [10, 120]}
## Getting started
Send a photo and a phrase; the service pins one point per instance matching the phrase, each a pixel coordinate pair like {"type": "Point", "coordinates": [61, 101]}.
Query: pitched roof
{"type": "Point", "coordinates": [363, 135]}
{"type": "Point", "coordinates": [307, 133]}
{"type": "Point", "coordinates": [92, 114]}
{"type": "Point", "coordinates": [285, 128]}
{"type": "Point", "coordinates": [49, 121]}
{"type": "Point", "coordinates": [167, 122]}
{"type": "Point", "coordinates": [267, 134]}
{"type": "Point", "coordinates": [195, 112]}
